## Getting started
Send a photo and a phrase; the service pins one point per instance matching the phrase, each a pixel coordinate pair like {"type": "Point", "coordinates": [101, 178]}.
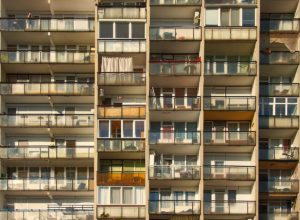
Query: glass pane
{"type": "Point", "coordinates": [248, 17]}
{"type": "Point", "coordinates": [106, 30]}
{"type": "Point", "coordinates": [122, 30]}
{"type": "Point", "coordinates": [138, 30]}
{"type": "Point", "coordinates": [212, 17]}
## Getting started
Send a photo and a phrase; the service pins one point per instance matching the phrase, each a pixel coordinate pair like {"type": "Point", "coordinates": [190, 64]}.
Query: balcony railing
{"type": "Point", "coordinates": [122, 79]}
{"type": "Point", "coordinates": [47, 120]}
{"type": "Point", "coordinates": [121, 211]}
{"type": "Point", "coordinates": [280, 89]}
{"type": "Point", "coordinates": [74, 89]}
{"type": "Point", "coordinates": [45, 152]}
{"type": "Point", "coordinates": [175, 33]}
{"type": "Point", "coordinates": [122, 13]}
{"type": "Point", "coordinates": [175, 2]}
{"type": "Point", "coordinates": [38, 184]}
{"type": "Point", "coordinates": [121, 145]}
{"type": "Point", "coordinates": [279, 186]}
{"type": "Point", "coordinates": [279, 153]}
{"type": "Point", "coordinates": [175, 207]}
{"type": "Point", "coordinates": [182, 172]}
{"type": "Point", "coordinates": [230, 33]}
{"type": "Point", "coordinates": [279, 216]}
{"type": "Point", "coordinates": [121, 178]}
{"type": "Point", "coordinates": [57, 57]}
{"type": "Point", "coordinates": [280, 25]}
{"type": "Point", "coordinates": [174, 137]}
{"type": "Point", "coordinates": [125, 111]}
{"type": "Point", "coordinates": [280, 57]}
{"type": "Point", "coordinates": [241, 68]}
{"type": "Point", "coordinates": [228, 172]}
{"type": "Point", "coordinates": [234, 138]}
{"type": "Point", "coordinates": [48, 24]}
{"type": "Point", "coordinates": [230, 2]}
{"type": "Point", "coordinates": [177, 103]}
{"type": "Point", "coordinates": [170, 68]}
{"type": "Point", "coordinates": [60, 213]}
{"type": "Point", "coordinates": [121, 46]}
{"type": "Point", "coordinates": [279, 121]}
{"type": "Point", "coordinates": [230, 103]}
{"type": "Point", "coordinates": [233, 207]}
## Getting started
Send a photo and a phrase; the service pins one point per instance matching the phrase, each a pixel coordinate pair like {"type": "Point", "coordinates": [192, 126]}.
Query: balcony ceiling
{"type": "Point", "coordinates": [174, 12]}
{"type": "Point", "coordinates": [278, 6]}
{"type": "Point", "coordinates": [222, 48]}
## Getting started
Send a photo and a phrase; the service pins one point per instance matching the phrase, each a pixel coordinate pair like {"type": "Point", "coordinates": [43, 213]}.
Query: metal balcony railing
{"type": "Point", "coordinates": [175, 2]}
{"type": "Point", "coordinates": [46, 152]}
{"type": "Point", "coordinates": [279, 89]}
{"type": "Point", "coordinates": [121, 211]}
{"type": "Point", "coordinates": [170, 68]}
{"type": "Point", "coordinates": [280, 57]}
{"type": "Point", "coordinates": [230, 103]}
{"type": "Point", "coordinates": [279, 186]}
{"type": "Point", "coordinates": [231, 138]}
{"type": "Point", "coordinates": [47, 120]}
{"type": "Point", "coordinates": [175, 33]}
{"type": "Point", "coordinates": [230, 33]}
{"type": "Point", "coordinates": [125, 111]}
{"type": "Point", "coordinates": [48, 24]}
{"type": "Point", "coordinates": [175, 207]}
{"type": "Point", "coordinates": [230, 68]}
{"type": "Point", "coordinates": [121, 145]}
{"type": "Point", "coordinates": [122, 13]}
{"type": "Point", "coordinates": [230, 2]}
{"type": "Point", "coordinates": [51, 184]}
{"type": "Point", "coordinates": [272, 121]}
{"type": "Point", "coordinates": [177, 103]}
{"type": "Point", "coordinates": [56, 57]}
{"type": "Point", "coordinates": [122, 79]}
{"type": "Point", "coordinates": [178, 172]}
{"type": "Point", "coordinates": [279, 215]}
{"type": "Point", "coordinates": [228, 207]}
{"type": "Point", "coordinates": [280, 25]}
{"type": "Point", "coordinates": [279, 153]}
{"type": "Point", "coordinates": [174, 137]}
{"type": "Point", "coordinates": [228, 172]}
{"type": "Point", "coordinates": [122, 45]}
{"type": "Point", "coordinates": [74, 89]}
{"type": "Point", "coordinates": [121, 178]}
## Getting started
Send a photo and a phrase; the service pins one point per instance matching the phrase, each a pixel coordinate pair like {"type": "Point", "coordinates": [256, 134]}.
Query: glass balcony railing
{"type": "Point", "coordinates": [234, 138]}
{"type": "Point", "coordinates": [184, 103]}
{"type": "Point", "coordinates": [279, 186]}
{"type": "Point", "coordinates": [225, 68]}
{"type": "Point", "coordinates": [227, 207]}
{"type": "Point", "coordinates": [121, 178]}
{"type": "Point", "coordinates": [230, 2]}
{"type": "Point", "coordinates": [121, 211]}
{"type": "Point", "coordinates": [175, 2]}
{"type": "Point", "coordinates": [48, 24]}
{"type": "Point", "coordinates": [46, 152]}
{"type": "Point", "coordinates": [230, 103]}
{"type": "Point", "coordinates": [228, 172]}
{"type": "Point", "coordinates": [280, 57]}
{"type": "Point", "coordinates": [230, 33]}
{"type": "Point", "coordinates": [273, 121]}
{"type": "Point", "coordinates": [280, 215]}
{"type": "Point", "coordinates": [122, 79]}
{"type": "Point", "coordinates": [279, 153]}
{"type": "Point", "coordinates": [121, 145]}
{"type": "Point", "coordinates": [57, 57]}
{"type": "Point", "coordinates": [280, 25]}
{"type": "Point", "coordinates": [121, 46]}
{"type": "Point", "coordinates": [181, 172]}
{"type": "Point", "coordinates": [175, 207]}
{"type": "Point", "coordinates": [46, 184]}
{"type": "Point", "coordinates": [174, 137]}
{"type": "Point", "coordinates": [122, 13]}
{"type": "Point", "coordinates": [125, 111]}
{"type": "Point", "coordinates": [280, 89]}
{"type": "Point", "coordinates": [175, 33]}
{"type": "Point", "coordinates": [47, 120]}
{"type": "Point", "coordinates": [74, 89]}
{"type": "Point", "coordinates": [171, 68]}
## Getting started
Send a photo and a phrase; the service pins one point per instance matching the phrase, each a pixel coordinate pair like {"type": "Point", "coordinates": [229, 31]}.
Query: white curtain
{"type": "Point", "coordinates": [117, 64]}
{"type": "Point", "coordinates": [103, 195]}
{"type": "Point", "coordinates": [140, 195]}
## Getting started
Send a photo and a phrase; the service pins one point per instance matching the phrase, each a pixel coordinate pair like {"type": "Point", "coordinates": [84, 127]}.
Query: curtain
{"type": "Point", "coordinates": [103, 193]}
{"type": "Point", "coordinates": [127, 195]}
{"type": "Point", "coordinates": [117, 64]}
{"type": "Point", "coordinates": [115, 197]}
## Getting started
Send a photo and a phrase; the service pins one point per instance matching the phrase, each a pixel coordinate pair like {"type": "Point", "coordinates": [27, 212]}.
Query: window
{"type": "Point", "coordinates": [139, 129]}
{"type": "Point", "coordinates": [122, 30]}
{"type": "Point", "coordinates": [232, 195]}
{"type": "Point", "coordinates": [212, 17]}
{"type": "Point", "coordinates": [103, 128]}
{"type": "Point", "coordinates": [278, 106]}
{"type": "Point", "coordinates": [115, 197]}
{"type": "Point", "coordinates": [127, 195]}
{"type": "Point", "coordinates": [128, 129]}
{"type": "Point", "coordinates": [138, 30]}
{"type": "Point", "coordinates": [249, 17]}
{"type": "Point", "coordinates": [106, 30]}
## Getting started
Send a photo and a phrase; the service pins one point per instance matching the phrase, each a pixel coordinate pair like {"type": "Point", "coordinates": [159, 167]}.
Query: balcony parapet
{"type": "Point", "coordinates": [230, 68]}
{"type": "Point", "coordinates": [121, 211]}
{"type": "Point", "coordinates": [280, 25]}
{"type": "Point", "coordinates": [279, 89]}
{"type": "Point", "coordinates": [125, 111]}
{"type": "Point", "coordinates": [175, 68]}
{"type": "Point", "coordinates": [235, 207]}
{"type": "Point", "coordinates": [174, 207]}
{"type": "Point", "coordinates": [279, 153]}
{"type": "Point", "coordinates": [230, 138]}
{"type": "Point", "coordinates": [178, 172]}
{"type": "Point", "coordinates": [230, 103]}
{"type": "Point", "coordinates": [230, 2]}
{"type": "Point", "coordinates": [174, 137]}
{"type": "Point", "coordinates": [122, 13]}
{"type": "Point", "coordinates": [230, 33]}
{"type": "Point", "coordinates": [121, 145]}
{"type": "Point", "coordinates": [121, 45]}
{"type": "Point", "coordinates": [184, 103]}
{"type": "Point", "coordinates": [279, 215]}
{"type": "Point", "coordinates": [279, 58]}
{"type": "Point", "coordinates": [122, 79]}
{"type": "Point", "coordinates": [273, 121]}
{"type": "Point", "coordinates": [121, 178]}
{"type": "Point", "coordinates": [175, 33]}
{"type": "Point", "coordinates": [175, 2]}
{"type": "Point", "coordinates": [290, 186]}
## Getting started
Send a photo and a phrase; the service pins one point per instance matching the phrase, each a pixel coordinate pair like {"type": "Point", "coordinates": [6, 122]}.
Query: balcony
{"type": "Point", "coordinates": [121, 178]}
{"type": "Point", "coordinates": [125, 111]}
{"type": "Point", "coordinates": [165, 103]}
{"type": "Point", "coordinates": [174, 172]}
{"type": "Point", "coordinates": [121, 46]}
{"type": "Point", "coordinates": [280, 25]}
{"type": "Point", "coordinates": [47, 89]}
{"type": "Point", "coordinates": [174, 137]}
{"type": "Point", "coordinates": [175, 2]}
{"type": "Point", "coordinates": [290, 186]}
{"type": "Point", "coordinates": [284, 122]}
{"type": "Point", "coordinates": [279, 58]}
{"type": "Point", "coordinates": [231, 33]}
{"type": "Point", "coordinates": [122, 13]}
{"type": "Point", "coordinates": [46, 152]}
{"type": "Point", "coordinates": [48, 24]}
{"type": "Point", "coordinates": [229, 103]}
{"type": "Point", "coordinates": [46, 120]}
{"type": "Point", "coordinates": [230, 2]}
{"type": "Point", "coordinates": [174, 207]}
{"type": "Point", "coordinates": [279, 154]}
{"type": "Point", "coordinates": [243, 208]}
{"type": "Point", "coordinates": [283, 89]}
{"type": "Point", "coordinates": [122, 79]}
{"type": "Point", "coordinates": [37, 184]}
{"type": "Point", "coordinates": [230, 138]}
{"type": "Point", "coordinates": [121, 211]}
{"type": "Point", "coordinates": [279, 215]}
{"type": "Point", "coordinates": [230, 68]}
{"type": "Point", "coordinates": [175, 33]}
{"type": "Point", "coordinates": [121, 145]}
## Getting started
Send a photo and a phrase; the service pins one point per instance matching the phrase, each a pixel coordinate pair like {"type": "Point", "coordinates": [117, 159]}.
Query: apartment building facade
{"type": "Point", "coordinates": [158, 109]}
